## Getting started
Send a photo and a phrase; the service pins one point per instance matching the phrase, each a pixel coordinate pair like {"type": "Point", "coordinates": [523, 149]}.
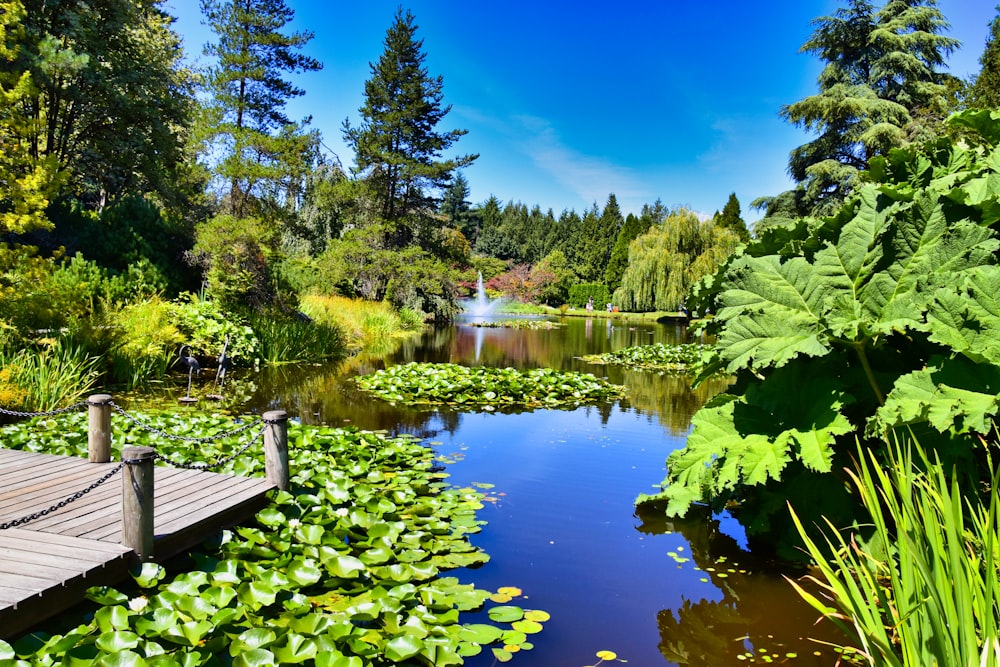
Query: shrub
{"type": "Point", "coordinates": [144, 341]}
{"type": "Point", "coordinates": [205, 327]}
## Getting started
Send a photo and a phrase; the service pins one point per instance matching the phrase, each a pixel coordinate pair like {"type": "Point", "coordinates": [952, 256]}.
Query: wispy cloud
{"type": "Point", "coordinates": [591, 178]}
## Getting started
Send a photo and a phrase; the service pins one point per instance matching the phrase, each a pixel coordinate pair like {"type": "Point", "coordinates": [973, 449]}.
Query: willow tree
{"type": "Point", "coordinates": [665, 262]}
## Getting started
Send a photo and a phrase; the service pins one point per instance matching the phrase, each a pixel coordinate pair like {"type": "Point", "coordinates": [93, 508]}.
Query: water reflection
{"type": "Point", "coordinates": [564, 524]}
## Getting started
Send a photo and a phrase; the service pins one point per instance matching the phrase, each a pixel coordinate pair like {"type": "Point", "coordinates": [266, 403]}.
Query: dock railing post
{"type": "Point", "coordinates": [276, 448]}
{"type": "Point", "coordinates": [137, 500]}
{"type": "Point", "coordinates": [98, 428]}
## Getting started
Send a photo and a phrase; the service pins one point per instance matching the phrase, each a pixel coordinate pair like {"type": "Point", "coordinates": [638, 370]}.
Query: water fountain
{"type": "Point", "coordinates": [482, 305]}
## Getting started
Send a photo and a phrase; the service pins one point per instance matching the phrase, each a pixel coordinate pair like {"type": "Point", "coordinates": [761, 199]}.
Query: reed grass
{"type": "Point", "coordinates": [292, 341]}
{"type": "Point", "coordinates": [923, 590]}
{"type": "Point", "coordinates": [39, 380]}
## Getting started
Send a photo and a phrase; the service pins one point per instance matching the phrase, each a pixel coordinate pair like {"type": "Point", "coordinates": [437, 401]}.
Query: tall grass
{"type": "Point", "coordinates": [923, 590]}
{"type": "Point", "coordinates": [51, 378]}
{"type": "Point", "coordinates": [363, 322]}
{"type": "Point", "coordinates": [290, 341]}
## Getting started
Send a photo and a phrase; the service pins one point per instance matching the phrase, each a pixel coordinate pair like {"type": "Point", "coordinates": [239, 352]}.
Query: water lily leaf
{"type": "Point", "coordinates": [527, 627]}
{"type": "Point", "coordinates": [6, 651]}
{"type": "Point", "coordinates": [297, 649]}
{"type": "Point", "coordinates": [607, 655]}
{"type": "Point", "coordinates": [402, 647]}
{"type": "Point", "coordinates": [149, 575]}
{"type": "Point", "coordinates": [501, 655]}
{"type": "Point", "coordinates": [272, 517]}
{"type": "Point", "coordinates": [309, 533]}
{"type": "Point", "coordinates": [218, 595]}
{"type": "Point", "coordinates": [537, 615]}
{"type": "Point", "coordinates": [506, 614]}
{"type": "Point", "coordinates": [122, 659]}
{"type": "Point", "coordinates": [155, 623]}
{"type": "Point", "coordinates": [251, 639]}
{"type": "Point", "coordinates": [480, 633]}
{"type": "Point", "coordinates": [256, 594]}
{"type": "Point", "coordinates": [337, 659]}
{"type": "Point", "coordinates": [188, 634]}
{"type": "Point", "coordinates": [120, 640]}
{"type": "Point", "coordinates": [345, 567]}
{"type": "Point", "coordinates": [258, 657]}
{"type": "Point", "coordinates": [304, 572]}
{"type": "Point", "coordinates": [106, 595]}
{"type": "Point", "coordinates": [113, 618]}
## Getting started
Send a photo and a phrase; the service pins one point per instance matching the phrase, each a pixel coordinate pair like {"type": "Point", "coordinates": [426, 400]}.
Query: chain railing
{"type": "Point", "coordinates": [99, 441]}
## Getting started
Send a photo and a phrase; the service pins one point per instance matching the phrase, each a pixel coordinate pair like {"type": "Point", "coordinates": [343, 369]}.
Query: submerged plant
{"type": "Point", "coordinates": [481, 385]}
{"type": "Point", "coordinates": [345, 570]}
{"type": "Point", "coordinates": [923, 590]}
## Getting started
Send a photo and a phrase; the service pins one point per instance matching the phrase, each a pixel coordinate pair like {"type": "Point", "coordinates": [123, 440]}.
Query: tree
{"type": "Point", "coordinates": [881, 88]}
{"type": "Point", "coordinates": [491, 240]}
{"type": "Point", "coordinates": [730, 218]}
{"type": "Point", "coordinates": [666, 262]}
{"type": "Point", "coordinates": [985, 90]}
{"type": "Point", "coordinates": [631, 229]}
{"type": "Point", "coordinates": [261, 153]}
{"type": "Point", "coordinates": [397, 148]}
{"type": "Point", "coordinates": [456, 208]}
{"type": "Point", "coordinates": [96, 93]}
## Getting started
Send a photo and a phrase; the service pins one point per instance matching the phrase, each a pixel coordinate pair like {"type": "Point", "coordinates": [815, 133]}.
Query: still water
{"type": "Point", "coordinates": [561, 521]}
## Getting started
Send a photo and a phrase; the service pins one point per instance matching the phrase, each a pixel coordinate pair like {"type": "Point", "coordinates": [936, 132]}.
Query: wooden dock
{"type": "Point", "coordinates": [47, 564]}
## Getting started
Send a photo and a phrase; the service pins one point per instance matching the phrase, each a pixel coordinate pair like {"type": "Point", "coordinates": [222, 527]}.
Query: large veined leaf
{"type": "Point", "coordinates": [966, 317]}
{"type": "Point", "coordinates": [949, 394]}
{"type": "Point", "coordinates": [748, 440]}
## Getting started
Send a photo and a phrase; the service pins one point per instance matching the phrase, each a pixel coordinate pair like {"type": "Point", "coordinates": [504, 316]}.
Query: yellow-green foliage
{"type": "Point", "coordinates": [665, 262]}
{"type": "Point", "coordinates": [145, 340]}
{"type": "Point", "coordinates": [364, 322]}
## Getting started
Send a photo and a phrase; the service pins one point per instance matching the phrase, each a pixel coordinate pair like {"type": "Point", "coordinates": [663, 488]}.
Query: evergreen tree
{"type": "Point", "coordinates": [600, 230]}
{"type": "Point", "coordinates": [985, 90]}
{"type": "Point", "coordinates": [397, 148]}
{"type": "Point", "coordinates": [456, 208]}
{"type": "Point", "coordinates": [263, 153]}
{"type": "Point", "coordinates": [631, 229]}
{"type": "Point", "coordinates": [881, 87]}
{"type": "Point", "coordinates": [491, 240]}
{"type": "Point", "coordinates": [731, 219]}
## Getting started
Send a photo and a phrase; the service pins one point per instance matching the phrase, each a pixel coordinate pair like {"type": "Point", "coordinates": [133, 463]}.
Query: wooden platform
{"type": "Point", "coordinates": [47, 564]}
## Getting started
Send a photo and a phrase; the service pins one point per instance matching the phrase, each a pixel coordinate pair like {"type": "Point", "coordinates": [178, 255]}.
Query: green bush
{"type": "Point", "coordinates": [205, 326]}
{"type": "Point", "coordinates": [579, 295]}
{"type": "Point", "coordinates": [143, 344]}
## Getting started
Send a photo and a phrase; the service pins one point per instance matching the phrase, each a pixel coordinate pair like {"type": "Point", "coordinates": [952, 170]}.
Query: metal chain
{"type": "Point", "coordinates": [62, 503]}
{"type": "Point", "coordinates": [171, 436]}
{"type": "Point", "coordinates": [217, 462]}
{"type": "Point", "coordinates": [45, 413]}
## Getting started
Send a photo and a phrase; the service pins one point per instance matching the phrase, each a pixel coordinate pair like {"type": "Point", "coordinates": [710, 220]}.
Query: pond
{"type": "Point", "coordinates": [561, 484]}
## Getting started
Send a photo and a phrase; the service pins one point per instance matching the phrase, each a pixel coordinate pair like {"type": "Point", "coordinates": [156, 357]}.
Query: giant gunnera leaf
{"type": "Point", "coordinates": [884, 315]}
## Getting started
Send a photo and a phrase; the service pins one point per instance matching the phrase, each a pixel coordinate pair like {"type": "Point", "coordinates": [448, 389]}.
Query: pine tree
{"type": "Point", "coordinates": [456, 208]}
{"type": "Point", "coordinates": [630, 230]}
{"type": "Point", "coordinates": [730, 218]}
{"type": "Point", "coordinates": [397, 149]}
{"type": "Point", "coordinates": [985, 90]}
{"type": "Point", "coordinates": [264, 154]}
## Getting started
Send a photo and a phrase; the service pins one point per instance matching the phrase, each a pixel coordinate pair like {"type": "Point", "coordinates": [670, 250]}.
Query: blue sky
{"type": "Point", "coordinates": [567, 102]}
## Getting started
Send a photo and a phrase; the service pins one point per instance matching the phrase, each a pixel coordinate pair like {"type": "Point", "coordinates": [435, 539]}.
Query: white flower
{"type": "Point", "coordinates": [341, 511]}
{"type": "Point", "coordinates": [138, 604]}
{"type": "Point", "coordinates": [294, 523]}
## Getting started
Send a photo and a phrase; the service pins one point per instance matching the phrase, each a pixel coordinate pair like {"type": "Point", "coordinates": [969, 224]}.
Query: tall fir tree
{"type": "Point", "coordinates": [397, 148]}
{"type": "Point", "coordinates": [455, 207]}
{"type": "Point", "coordinates": [263, 156]}
{"type": "Point", "coordinates": [731, 219]}
{"type": "Point", "coordinates": [631, 229]}
{"type": "Point", "coordinates": [881, 87]}
{"type": "Point", "coordinates": [985, 90]}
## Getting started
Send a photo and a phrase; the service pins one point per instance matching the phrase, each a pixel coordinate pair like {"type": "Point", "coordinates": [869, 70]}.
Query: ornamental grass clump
{"type": "Point", "coordinates": [452, 384]}
{"type": "Point", "coordinates": [923, 588]}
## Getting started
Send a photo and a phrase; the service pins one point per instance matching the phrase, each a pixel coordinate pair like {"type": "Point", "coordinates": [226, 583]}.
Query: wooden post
{"type": "Point", "coordinates": [276, 448]}
{"type": "Point", "coordinates": [137, 500]}
{"type": "Point", "coordinates": [99, 428]}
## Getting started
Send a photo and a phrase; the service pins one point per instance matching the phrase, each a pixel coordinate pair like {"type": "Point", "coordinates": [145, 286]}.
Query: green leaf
{"type": "Point", "coordinates": [402, 647]}
{"type": "Point", "coordinates": [258, 657]}
{"type": "Point", "coordinates": [149, 575]}
{"type": "Point", "coordinates": [506, 614]}
{"type": "Point", "coordinates": [113, 642]}
{"type": "Point", "coordinates": [346, 567]}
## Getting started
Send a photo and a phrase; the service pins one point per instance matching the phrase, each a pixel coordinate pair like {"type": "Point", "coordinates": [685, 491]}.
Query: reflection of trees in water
{"type": "Point", "coordinates": [669, 397]}
{"type": "Point", "coordinates": [759, 610]}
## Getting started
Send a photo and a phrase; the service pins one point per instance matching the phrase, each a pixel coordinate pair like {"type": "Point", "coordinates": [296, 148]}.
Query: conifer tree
{"type": "Point", "coordinates": [730, 218]}
{"type": "Point", "coordinates": [881, 87]}
{"type": "Point", "coordinates": [985, 90]}
{"type": "Point", "coordinates": [456, 208]}
{"type": "Point", "coordinates": [264, 153]}
{"type": "Point", "coordinates": [631, 229]}
{"type": "Point", "coordinates": [398, 149]}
